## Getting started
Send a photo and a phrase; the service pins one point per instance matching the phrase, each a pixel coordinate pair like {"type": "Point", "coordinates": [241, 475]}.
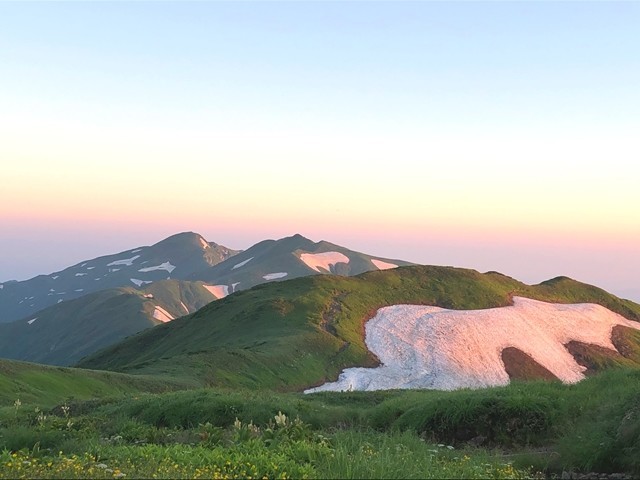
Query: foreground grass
{"type": "Point", "coordinates": [591, 426]}
{"type": "Point", "coordinates": [284, 449]}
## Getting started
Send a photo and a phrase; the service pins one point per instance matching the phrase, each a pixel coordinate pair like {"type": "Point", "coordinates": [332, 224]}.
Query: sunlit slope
{"type": "Point", "coordinates": [45, 385]}
{"type": "Point", "coordinates": [63, 334]}
{"type": "Point", "coordinates": [300, 333]}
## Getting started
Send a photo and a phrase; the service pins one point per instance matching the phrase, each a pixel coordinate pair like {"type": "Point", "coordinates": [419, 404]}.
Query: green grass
{"type": "Point", "coordinates": [46, 385]}
{"type": "Point", "coordinates": [501, 432]}
{"type": "Point", "coordinates": [300, 333]}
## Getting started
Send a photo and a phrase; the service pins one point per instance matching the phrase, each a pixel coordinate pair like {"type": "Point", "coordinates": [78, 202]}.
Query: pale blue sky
{"type": "Point", "coordinates": [511, 125]}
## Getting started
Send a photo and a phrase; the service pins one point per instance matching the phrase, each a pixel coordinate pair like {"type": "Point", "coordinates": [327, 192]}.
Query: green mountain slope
{"type": "Point", "coordinates": [63, 334]}
{"type": "Point", "coordinates": [295, 334]}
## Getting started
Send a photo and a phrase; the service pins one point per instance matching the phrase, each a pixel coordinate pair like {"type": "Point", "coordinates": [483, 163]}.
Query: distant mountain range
{"type": "Point", "coordinates": [67, 315]}
{"type": "Point", "coordinates": [178, 257]}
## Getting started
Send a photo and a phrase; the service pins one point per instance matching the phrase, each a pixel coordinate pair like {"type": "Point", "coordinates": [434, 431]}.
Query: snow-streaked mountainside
{"type": "Point", "coordinates": [288, 258]}
{"type": "Point", "coordinates": [64, 333]}
{"type": "Point", "coordinates": [176, 257]}
{"type": "Point", "coordinates": [430, 347]}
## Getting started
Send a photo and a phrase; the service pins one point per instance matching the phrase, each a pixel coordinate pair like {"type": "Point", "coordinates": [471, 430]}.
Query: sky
{"type": "Point", "coordinates": [495, 136]}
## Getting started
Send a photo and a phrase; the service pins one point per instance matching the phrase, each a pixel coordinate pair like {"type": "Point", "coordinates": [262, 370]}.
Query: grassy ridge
{"type": "Point", "coordinates": [299, 333]}
{"type": "Point", "coordinates": [44, 385]}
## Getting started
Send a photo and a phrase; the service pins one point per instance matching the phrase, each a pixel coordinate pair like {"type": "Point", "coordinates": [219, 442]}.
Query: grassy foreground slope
{"type": "Point", "coordinates": [528, 427]}
{"type": "Point", "coordinates": [299, 333]}
{"type": "Point", "coordinates": [44, 385]}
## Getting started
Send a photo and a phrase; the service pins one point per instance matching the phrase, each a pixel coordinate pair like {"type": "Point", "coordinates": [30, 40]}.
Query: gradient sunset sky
{"type": "Point", "coordinates": [497, 136]}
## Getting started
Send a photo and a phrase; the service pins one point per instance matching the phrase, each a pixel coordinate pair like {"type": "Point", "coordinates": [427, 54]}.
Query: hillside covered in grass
{"type": "Point", "coordinates": [45, 385]}
{"type": "Point", "coordinates": [300, 333]}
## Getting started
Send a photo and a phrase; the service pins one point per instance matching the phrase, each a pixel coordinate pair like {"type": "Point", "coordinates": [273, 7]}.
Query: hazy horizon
{"type": "Point", "coordinates": [487, 135]}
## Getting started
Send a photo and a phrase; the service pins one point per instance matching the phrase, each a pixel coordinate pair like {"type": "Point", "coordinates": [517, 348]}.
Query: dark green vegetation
{"type": "Point", "coordinates": [503, 432]}
{"type": "Point", "coordinates": [296, 334]}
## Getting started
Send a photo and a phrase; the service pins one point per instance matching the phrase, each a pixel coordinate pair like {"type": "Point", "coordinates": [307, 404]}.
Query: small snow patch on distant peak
{"type": "Point", "coordinates": [32, 320]}
{"type": "Point", "coordinates": [164, 266]}
{"type": "Point", "coordinates": [83, 265]}
{"type": "Point", "coordinates": [324, 260]}
{"type": "Point", "coordinates": [273, 276]}
{"type": "Point", "coordinates": [234, 285]}
{"type": "Point", "coordinates": [185, 307]}
{"type": "Point", "coordinates": [90, 268]}
{"type": "Point", "coordinates": [136, 250]}
{"type": "Point", "coordinates": [59, 300]}
{"type": "Point", "coordinates": [1, 286]}
{"type": "Point", "coordinates": [80, 274]}
{"type": "Point", "coordinates": [218, 291]}
{"type": "Point", "coordinates": [204, 243]}
{"type": "Point", "coordinates": [54, 277]}
{"type": "Point", "coordinates": [242, 263]}
{"type": "Point", "coordinates": [138, 282]}
{"type": "Point", "coordinates": [148, 295]}
{"type": "Point", "coordinates": [383, 265]}
{"type": "Point", "coordinates": [125, 261]}
{"type": "Point", "coordinates": [161, 314]}
{"type": "Point", "coordinates": [80, 290]}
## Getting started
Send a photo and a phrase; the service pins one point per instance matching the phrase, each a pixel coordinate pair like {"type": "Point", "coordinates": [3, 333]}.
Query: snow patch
{"type": "Point", "coordinates": [54, 277]}
{"type": "Point", "coordinates": [234, 285]}
{"type": "Point", "coordinates": [242, 263]}
{"type": "Point", "coordinates": [83, 265]}
{"type": "Point", "coordinates": [323, 260]}
{"type": "Point", "coordinates": [204, 243]}
{"type": "Point", "coordinates": [125, 261]}
{"type": "Point", "coordinates": [218, 291]}
{"type": "Point", "coordinates": [148, 295]}
{"type": "Point", "coordinates": [59, 301]}
{"type": "Point", "coordinates": [90, 268]}
{"type": "Point", "coordinates": [185, 307]}
{"type": "Point", "coordinates": [111, 270]}
{"type": "Point", "coordinates": [1, 286]}
{"type": "Point", "coordinates": [273, 276]}
{"type": "Point", "coordinates": [136, 250]}
{"type": "Point", "coordinates": [138, 283]}
{"type": "Point", "coordinates": [32, 320]}
{"type": "Point", "coordinates": [80, 290]}
{"type": "Point", "coordinates": [436, 348]}
{"type": "Point", "coordinates": [380, 265]}
{"type": "Point", "coordinates": [80, 274]}
{"type": "Point", "coordinates": [161, 314]}
{"type": "Point", "coordinates": [163, 266]}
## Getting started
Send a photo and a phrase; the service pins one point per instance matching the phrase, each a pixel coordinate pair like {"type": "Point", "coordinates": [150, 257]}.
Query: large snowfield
{"type": "Point", "coordinates": [436, 348]}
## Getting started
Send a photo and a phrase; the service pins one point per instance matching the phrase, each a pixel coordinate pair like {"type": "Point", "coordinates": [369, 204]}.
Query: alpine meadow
{"type": "Point", "coordinates": [271, 239]}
